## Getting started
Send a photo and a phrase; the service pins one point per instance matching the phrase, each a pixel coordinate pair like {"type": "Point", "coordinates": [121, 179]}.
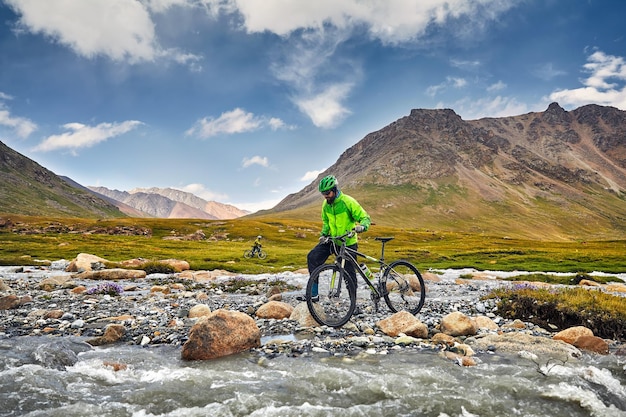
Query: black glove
{"type": "Point", "coordinates": [324, 239]}
{"type": "Point", "coordinates": [359, 229]}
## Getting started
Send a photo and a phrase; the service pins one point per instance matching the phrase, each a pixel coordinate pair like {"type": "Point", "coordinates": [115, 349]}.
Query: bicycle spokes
{"type": "Point", "coordinates": [335, 304]}
{"type": "Point", "coordinates": [403, 287]}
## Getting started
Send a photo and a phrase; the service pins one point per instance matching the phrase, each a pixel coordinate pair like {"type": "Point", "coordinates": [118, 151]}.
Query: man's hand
{"type": "Point", "coordinates": [359, 229]}
{"type": "Point", "coordinates": [324, 239]}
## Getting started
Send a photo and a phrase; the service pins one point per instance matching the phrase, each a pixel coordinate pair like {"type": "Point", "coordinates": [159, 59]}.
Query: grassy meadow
{"type": "Point", "coordinates": [287, 241]}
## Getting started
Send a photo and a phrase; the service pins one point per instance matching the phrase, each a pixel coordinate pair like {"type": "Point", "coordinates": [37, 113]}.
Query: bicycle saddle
{"type": "Point", "coordinates": [383, 239]}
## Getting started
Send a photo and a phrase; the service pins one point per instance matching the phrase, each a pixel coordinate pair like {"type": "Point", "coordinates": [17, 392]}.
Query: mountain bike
{"type": "Point", "coordinates": [331, 292]}
{"type": "Point", "coordinates": [250, 253]}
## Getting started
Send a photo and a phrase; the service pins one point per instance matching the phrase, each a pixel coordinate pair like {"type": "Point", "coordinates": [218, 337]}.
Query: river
{"type": "Point", "coordinates": [154, 381]}
{"type": "Point", "coordinates": [65, 377]}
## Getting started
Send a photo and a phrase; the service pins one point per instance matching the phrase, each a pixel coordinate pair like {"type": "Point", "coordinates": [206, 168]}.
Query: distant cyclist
{"type": "Point", "coordinates": [340, 214]}
{"type": "Point", "coordinates": [257, 245]}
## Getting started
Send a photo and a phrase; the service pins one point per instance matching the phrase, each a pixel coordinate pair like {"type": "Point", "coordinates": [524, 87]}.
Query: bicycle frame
{"type": "Point", "coordinates": [345, 254]}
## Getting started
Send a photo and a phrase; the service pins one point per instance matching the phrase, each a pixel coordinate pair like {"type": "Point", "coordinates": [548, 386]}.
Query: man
{"type": "Point", "coordinates": [340, 214]}
{"type": "Point", "coordinates": [257, 245]}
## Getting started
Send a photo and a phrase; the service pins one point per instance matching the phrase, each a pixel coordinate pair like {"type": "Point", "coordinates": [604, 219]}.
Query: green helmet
{"type": "Point", "coordinates": [327, 183]}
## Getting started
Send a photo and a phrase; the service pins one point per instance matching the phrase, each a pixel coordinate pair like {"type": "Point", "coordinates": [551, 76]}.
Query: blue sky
{"type": "Point", "coordinates": [246, 101]}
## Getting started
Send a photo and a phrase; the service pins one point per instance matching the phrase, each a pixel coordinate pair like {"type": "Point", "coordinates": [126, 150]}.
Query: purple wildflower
{"type": "Point", "coordinates": [110, 288]}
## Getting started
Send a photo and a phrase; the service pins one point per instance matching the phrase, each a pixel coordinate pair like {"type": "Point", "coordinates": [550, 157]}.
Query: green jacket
{"type": "Point", "coordinates": [342, 215]}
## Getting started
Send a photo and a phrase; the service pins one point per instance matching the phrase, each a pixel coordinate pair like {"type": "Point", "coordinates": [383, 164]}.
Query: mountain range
{"type": "Point", "coordinates": [28, 188]}
{"type": "Point", "coordinates": [552, 174]}
{"type": "Point", "coordinates": [168, 203]}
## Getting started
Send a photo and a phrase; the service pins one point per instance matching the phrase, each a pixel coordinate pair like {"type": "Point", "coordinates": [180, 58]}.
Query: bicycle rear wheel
{"type": "Point", "coordinates": [331, 296]}
{"type": "Point", "coordinates": [403, 287]}
{"type": "Point", "coordinates": [247, 253]}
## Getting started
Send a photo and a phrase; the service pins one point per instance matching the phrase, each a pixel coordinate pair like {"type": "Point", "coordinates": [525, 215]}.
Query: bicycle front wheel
{"type": "Point", "coordinates": [331, 295]}
{"type": "Point", "coordinates": [403, 287]}
{"type": "Point", "coordinates": [262, 254]}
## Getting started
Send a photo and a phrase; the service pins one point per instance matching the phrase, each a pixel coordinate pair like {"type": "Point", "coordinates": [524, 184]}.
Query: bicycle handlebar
{"type": "Point", "coordinates": [343, 237]}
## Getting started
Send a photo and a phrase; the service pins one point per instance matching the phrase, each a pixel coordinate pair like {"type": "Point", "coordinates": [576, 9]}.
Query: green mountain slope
{"type": "Point", "coordinates": [28, 188]}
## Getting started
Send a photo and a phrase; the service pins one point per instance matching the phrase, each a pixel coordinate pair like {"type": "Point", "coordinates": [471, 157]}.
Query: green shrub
{"type": "Point", "coordinates": [603, 313]}
{"type": "Point", "coordinates": [156, 267]}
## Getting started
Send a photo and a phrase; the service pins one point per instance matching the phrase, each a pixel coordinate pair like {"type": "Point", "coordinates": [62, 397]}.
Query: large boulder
{"type": "Point", "coordinates": [12, 301]}
{"type": "Point", "coordinates": [484, 322]}
{"type": "Point", "coordinates": [592, 344]}
{"type": "Point", "coordinates": [275, 310]}
{"type": "Point", "coordinates": [302, 315]}
{"type": "Point", "coordinates": [403, 322]}
{"type": "Point", "coordinates": [177, 264]}
{"type": "Point", "coordinates": [221, 333]}
{"type": "Point", "coordinates": [84, 262]}
{"type": "Point", "coordinates": [112, 333]}
{"type": "Point", "coordinates": [583, 338]}
{"type": "Point", "coordinates": [571, 334]}
{"type": "Point", "coordinates": [458, 324]}
{"type": "Point", "coordinates": [52, 283]}
{"type": "Point", "coordinates": [199, 310]}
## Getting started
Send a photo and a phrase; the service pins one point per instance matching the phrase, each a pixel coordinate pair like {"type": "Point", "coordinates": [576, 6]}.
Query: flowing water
{"type": "Point", "coordinates": [64, 378]}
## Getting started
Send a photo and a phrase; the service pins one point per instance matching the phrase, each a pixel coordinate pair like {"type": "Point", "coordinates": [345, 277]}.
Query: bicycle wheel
{"type": "Point", "coordinates": [403, 287]}
{"type": "Point", "coordinates": [262, 254]}
{"type": "Point", "coordinates": [247, 253]}
{"type": "Point", "coordinates": [331, 296]}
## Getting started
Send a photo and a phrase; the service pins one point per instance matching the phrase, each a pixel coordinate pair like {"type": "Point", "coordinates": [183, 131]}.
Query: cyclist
{"type": "Point", "coordinates": [340, 214]}
{"type": "Point", "coordinates": [257, 245]}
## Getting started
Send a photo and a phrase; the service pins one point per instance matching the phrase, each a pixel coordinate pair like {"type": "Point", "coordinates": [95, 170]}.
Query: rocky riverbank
{"type": "Point", "coordinates": [162, 309]}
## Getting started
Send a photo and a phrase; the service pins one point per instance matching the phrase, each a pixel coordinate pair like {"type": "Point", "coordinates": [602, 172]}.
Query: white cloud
{"type": "Point", "coordinates": [255, 160]}
{"type": "Point", "coordinates": [275, 124]}
{"type": "Point", "coordinates": [457, 82]}
{"type": "Point", "coordinates": [231, 122]}
{"type": "Point", "coordinates": [316, 29]}
{"type": "Point", "coordinates": [82, 136]}
{"type": "Point", "coordinates": [201, 191]}
{"type": "Point", "coordinates": [454, 82]}
{"type": "Point", "coordinates": [325, 109]}
{"type": "Point", "coordinates": [465, 65]}
{"type": "Point", "coordinates": [391, 21]}
{"type": "Point", "coordinates": [310, 176]}
{"type": "Point", "coordinates": [499, 106]}
{"type": "Point", "coordinates": [122, 30]}
{"type": "Point", "coordinates": [21, 126]}
{"type": "Point", "coordinates": [605, 85]}
{"type": "Point", "coordinates": [256, 206]}
{"type": "Point", "coordinates": [317, 77]}
{"type": "Point", "coordinates": [161, 6]}
{"type": "Point", "coordinates": [496, 87]}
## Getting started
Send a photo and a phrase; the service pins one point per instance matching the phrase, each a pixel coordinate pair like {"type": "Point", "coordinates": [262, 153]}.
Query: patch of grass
{"type": "Point", "coordinates": [287, 242]}
{"type": "Point", "coordinates": [603, 313]}
{"type": "Point", "coordinates": [562, 279]}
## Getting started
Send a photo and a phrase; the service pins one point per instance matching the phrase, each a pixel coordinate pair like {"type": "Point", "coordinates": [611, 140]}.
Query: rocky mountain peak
{"type": "Point", "coordinates": [555, 114]}
{"type": "Point", "coordinates": [549, 169]}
